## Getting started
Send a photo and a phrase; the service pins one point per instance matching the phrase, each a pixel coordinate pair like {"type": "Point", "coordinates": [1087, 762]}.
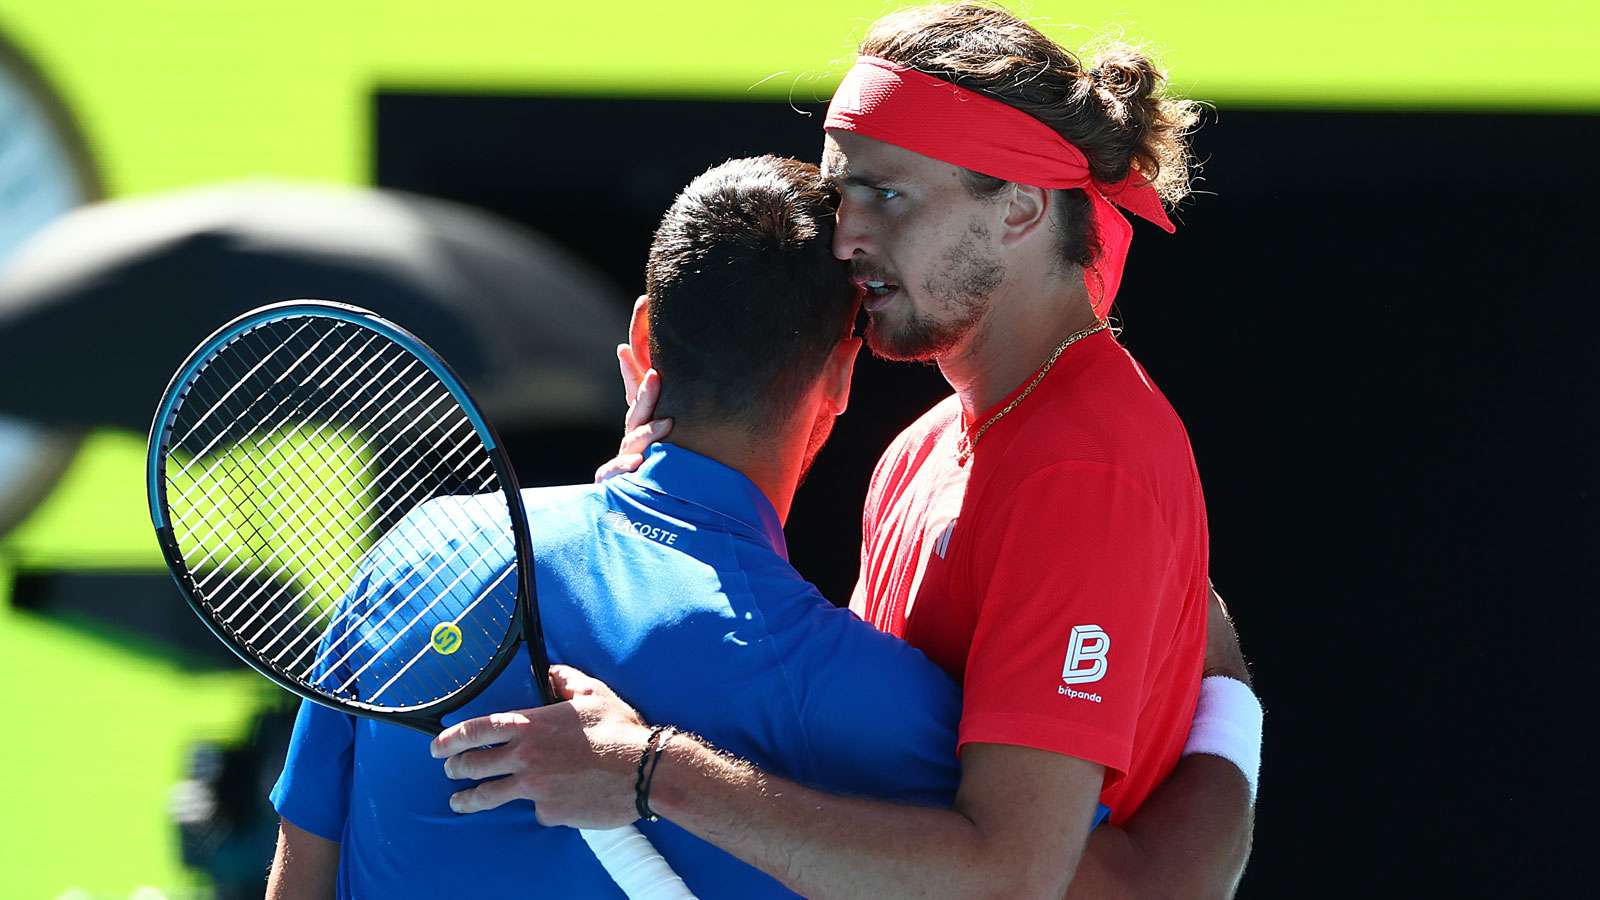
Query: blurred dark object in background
{"type": "Point", "coordinates": [227, 827]}
{"type": "Point", "coordinates": [135, 609]}
{"type": "Point", "coordinates": [98, 310]}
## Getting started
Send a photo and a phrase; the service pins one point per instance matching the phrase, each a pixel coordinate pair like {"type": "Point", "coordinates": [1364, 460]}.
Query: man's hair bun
{"type": "Point", "coordinates": [1116, 111]}
{"type": "Point", "coordinates": [1152, 127]}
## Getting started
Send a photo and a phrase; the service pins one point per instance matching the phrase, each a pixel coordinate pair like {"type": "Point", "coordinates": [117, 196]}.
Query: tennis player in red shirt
{"type": "Point", "coordinates": [1041, 534]}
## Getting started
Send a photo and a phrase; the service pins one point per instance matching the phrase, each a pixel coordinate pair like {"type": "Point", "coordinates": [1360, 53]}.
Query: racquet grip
{"type": "Point", "coordinates": [633, 863]}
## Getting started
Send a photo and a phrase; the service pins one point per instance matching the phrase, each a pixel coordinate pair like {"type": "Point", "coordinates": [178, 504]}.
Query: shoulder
{"type": "Point", "coordinates": [1103, 440]}
{"type": "Point", "coordinates": [558, 497]}
{"type": "Point", "coordinates": [437, 524]}
{"type": "Point", "coordinates": [440, 517]}
{"type": "Point", "coordinates": [1105, 410]}
{"type": "Point", "coordinates": [556, 514]}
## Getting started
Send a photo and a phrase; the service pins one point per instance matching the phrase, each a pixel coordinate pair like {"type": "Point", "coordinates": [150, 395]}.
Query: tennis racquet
{"type": "Point", "coordinates": [338, 512]}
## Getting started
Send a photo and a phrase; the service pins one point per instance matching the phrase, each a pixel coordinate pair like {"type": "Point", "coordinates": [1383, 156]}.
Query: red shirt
{"type": "Point", "coordinates": [1060, 575]}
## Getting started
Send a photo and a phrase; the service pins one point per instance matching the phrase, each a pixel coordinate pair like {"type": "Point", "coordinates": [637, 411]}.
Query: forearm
{"type": "Point", "coordinates": [826, 846]}
{"type": "Point", "coordinates": [1190, 839]}
{"type": "Point", "coordinates": [304, 865]}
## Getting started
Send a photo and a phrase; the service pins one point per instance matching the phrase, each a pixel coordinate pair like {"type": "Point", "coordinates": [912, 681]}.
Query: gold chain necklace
{"type": "Point", "coordinates": [966, 444]}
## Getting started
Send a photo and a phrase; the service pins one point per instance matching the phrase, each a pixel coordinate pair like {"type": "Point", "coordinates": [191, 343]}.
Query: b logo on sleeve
{"type": "Point", "coordinates": [1086, 655]}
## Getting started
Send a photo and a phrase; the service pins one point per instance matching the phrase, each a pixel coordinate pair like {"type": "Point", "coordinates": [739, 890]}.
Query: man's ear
{"type": "Point", "coordinates": [639, 333]}
{"type": "Point", "coordinates": [836, 375]}
{"type": "Point", "coordinates": [1027, 210]}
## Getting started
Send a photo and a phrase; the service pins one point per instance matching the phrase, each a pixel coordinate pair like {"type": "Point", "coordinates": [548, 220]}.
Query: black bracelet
{"type": "Point", "coordinates": [644, 799]}
{"type": "Point", "coordinates": [641, 782]}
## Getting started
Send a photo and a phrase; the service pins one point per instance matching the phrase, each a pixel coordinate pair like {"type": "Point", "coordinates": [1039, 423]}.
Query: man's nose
{"type": "Point", "coordinates": [850, 234]}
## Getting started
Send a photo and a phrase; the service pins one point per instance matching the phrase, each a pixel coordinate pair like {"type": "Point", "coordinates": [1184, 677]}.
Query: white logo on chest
{"type": "Point", "coordinates": [655, 533]}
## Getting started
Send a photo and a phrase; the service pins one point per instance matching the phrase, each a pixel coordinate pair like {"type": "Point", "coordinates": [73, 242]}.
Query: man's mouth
{"type": "Point", "coordinates": [876, 292]}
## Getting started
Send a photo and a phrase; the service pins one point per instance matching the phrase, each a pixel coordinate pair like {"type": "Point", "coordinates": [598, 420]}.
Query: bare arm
{"type": "Point", "coordinates": [1017, 830]}
{"type": "Point", "coordinates": [1191, 838]}
{"type": "Point", "coordinates": [1020, 822]}
{"type": "Point", "coordinates": [304, 866]}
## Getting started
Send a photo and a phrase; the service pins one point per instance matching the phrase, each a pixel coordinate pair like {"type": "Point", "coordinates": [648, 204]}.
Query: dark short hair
{"type": "Point", "coordinates": [746, 298]}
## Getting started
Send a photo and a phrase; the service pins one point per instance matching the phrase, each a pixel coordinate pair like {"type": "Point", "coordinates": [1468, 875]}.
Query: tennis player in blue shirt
{"type": "Point", "coordinates": [672, 585]}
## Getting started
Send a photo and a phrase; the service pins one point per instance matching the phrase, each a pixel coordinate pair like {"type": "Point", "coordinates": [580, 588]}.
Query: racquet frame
{"type": "Point", "coordinates": [427, 717]}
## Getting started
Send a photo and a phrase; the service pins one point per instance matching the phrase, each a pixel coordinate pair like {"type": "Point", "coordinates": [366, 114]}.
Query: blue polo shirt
{"type": "Point", "coordinates": [673, 586]}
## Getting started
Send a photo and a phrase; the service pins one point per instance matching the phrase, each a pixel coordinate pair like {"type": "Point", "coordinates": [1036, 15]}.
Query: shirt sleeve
{"type": "Point", "coordinates": [1061, 652]}
{"type": "Point", "coordinates": [313, 791]}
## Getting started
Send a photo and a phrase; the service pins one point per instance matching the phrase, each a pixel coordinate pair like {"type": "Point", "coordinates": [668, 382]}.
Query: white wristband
{"type": "Point", "coordinates": [1227, 723]}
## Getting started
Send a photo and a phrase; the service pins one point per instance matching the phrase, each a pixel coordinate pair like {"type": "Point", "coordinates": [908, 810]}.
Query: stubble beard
{"type": "Point", "coordinates": [960, 288]}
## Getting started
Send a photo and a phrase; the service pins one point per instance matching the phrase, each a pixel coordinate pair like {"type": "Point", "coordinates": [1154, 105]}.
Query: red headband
{"type": "Point", "coordinates": [927, 115]}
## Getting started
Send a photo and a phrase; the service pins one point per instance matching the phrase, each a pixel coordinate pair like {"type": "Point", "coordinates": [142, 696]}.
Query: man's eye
{"type": "Point", "coordinates": [886, 193]}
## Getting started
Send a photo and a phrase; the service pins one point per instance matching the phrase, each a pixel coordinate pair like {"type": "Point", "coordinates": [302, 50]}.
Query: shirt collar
{"type": "Point", "coordinates": [702, 481]}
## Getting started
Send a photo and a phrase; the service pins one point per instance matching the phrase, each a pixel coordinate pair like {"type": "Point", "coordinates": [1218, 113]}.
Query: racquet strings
{"type": "Point", "coordinates": [339, 516]}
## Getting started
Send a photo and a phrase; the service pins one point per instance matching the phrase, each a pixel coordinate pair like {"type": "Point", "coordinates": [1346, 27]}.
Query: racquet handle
{"type": "Point", "coordinates": [636, 867]}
